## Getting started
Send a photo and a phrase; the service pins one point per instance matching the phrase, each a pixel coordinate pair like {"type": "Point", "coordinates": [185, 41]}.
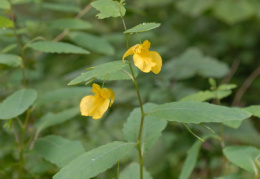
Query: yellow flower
{"type": "Point", "coordinates": [144, 59]}
{"type": "Point", "coordinates": [97, 105]}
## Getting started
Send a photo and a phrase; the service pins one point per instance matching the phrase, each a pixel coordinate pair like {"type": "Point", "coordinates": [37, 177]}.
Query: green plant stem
{"type": "Point", "coordinates": [21, 152]}
{"type": "Point", "coordinates": [20, 44]}
{"type": "Point", "coordinates": [138, 143]}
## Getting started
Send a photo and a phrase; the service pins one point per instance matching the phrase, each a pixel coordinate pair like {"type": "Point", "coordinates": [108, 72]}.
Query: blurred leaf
{"type": "Point", "coordinates": [207, 95]}
{"type": "Point", "coordinates": [255, 110]}
{"type": "Point", "coordinates": [51, 119]}
{"type": "Point", "coordinates": [58, 150]}
{"type": "Point", "coordinates": [199, 96]}
{"type": "Point", "coordinates": [92, 42]}
{"type": "Point", "coordinates": [99, 72]}
{"type": "Point", "coordinates": [4, 4]}
{"type": "Point", "coordinates": [193, 62]}
{"type": "Point", "coordinates": [232, 176]}
{"type": "Point", "coordinates": [11, 60]}
{"type": "Point", "coordinates": [190, 160]}
{"type": "Point", "coordinates": [8, 48]}
{"type": "Point", "coordinates": [62, 94]}
{"type": "Point", "coordinates": [143, 27]}
{"type": "Point", "coordinates": [17, 103]}
{"type": "Point", "coordinates": [243, 156]}
{"type": "Point", "coordinates": [152, 127]}
{"type": "Point", "coordinates": [194, 8]}
{"type": "Point", "coordinates": [232, 11]}
{"type": "Point", "coordinates": [233, 124]}
{"type": "Point", "coordinates": [197, 112]}
{"type": "Point", "coordinates": [246, 133]}
{"type": "Point", "coordinates": [4, 22]}
{"type": "Point", "coordinates": [133, 171]}
{"type": "Point", "coordinates": [61, 7]}
{"type": "Point", "coordinates": [57, 47]}
{"type": "Point", "coordinates": [95, 161]}
{"type": "Point", "coordinates": [108, 8]}
{"type": "Point", "coordinates": [69, 23]}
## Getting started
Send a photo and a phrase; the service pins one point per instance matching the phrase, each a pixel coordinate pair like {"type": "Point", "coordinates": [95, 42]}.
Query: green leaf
{"type": "Point", "coordinates": [4, 4]}
{"type": "Point", "coordinates": [61, 7]}
{"type": "Point", "coordinates": [4, 22]}
{"type": "Point", "coordinates": [152, 127]}
{"type": "Point", "coordinates": [255, 110]}
{"type": "Point", "coordinates": [199, 96]}
{"type": "Point", "coordinates": [232, 11]}
{"type": "Point", "coordinates": [96, 161]}
{"type": "Point", "coordinates": [197, 112]}
{"type": "Point", "coordinates": [232, 176]}
{"type": "Point", "coordinates": [51, 119]}
{"type": "Point", "coordinates": [69, 23]}
{"type": "Point", "coordinates": [108, 8]}
{"type": "Point", "coordinates": [62, 94]}
{"type": "Point", "coordinates": [194, 8]}
{"type": "Point", "coordinates": [17, 103]}
{"type": "Point", "coordinates": [57, 47]}
{"type": "Point", "coordinates": [11, 60]}
{"type": "Point", "coordinates": [92, 42]}
{"type": "Point", "coordinates": [58, 150]}
{"type": "Point", "coordinates": [99, 72]}
{"type": "Point", "coordinates": [193, 62]}
{"type": "Point", "coordinates": [133, 171]}
{"type": "Point", "coordinates": [243, 156]}
{"type": "Point", "coordinates": [143, 27]}
{"type": "Point", "coordinates": [207, 95]}
{"type": "Point", "coordinates": [190, 160]}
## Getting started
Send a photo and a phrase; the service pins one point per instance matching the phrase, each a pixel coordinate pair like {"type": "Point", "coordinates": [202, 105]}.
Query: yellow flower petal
{"type": "Point", "coordinates": [102, 106]}
{"type": "Point", "coordinates": [130, 51]}
{"type": "Point", "coordinates": [143, 62]}
{"type": "Point", "coordinates": [157, 59]}
{"type": "Point", "coordinates": [144, 59]}
{"type": "Point", "coordinates": [97, 105]}
{"type": "Point", "coordinates": [95, 88]}
{"type": "Point", "coordinates": [146, 44]}
{"type": "Point", "coordinates": [86, 105]}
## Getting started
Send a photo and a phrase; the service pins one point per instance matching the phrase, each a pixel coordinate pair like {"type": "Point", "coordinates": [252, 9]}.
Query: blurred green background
{"type": "Point", "coordinates": [197, 40]}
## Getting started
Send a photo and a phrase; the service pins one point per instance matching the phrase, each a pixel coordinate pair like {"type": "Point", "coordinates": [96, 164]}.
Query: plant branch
{"type": "Point", "coordinates": [245, 86]}
{"type": "Point", "coordinates": [66, 31]}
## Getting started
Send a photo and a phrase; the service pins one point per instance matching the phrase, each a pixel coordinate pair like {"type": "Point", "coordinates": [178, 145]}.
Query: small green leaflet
{"type": "Point", "coordinates": [17, 103]}
{"type": "Point", "coordinates": [62, 7]}
{"type": "Point", "coordinates": [143, 27]}
{"type": "Point", "coordinates": [99, 72]}
{"type": "Point", "coordinates": [109, 8]}
{"type": "Point", "coordinates": [255, 110]}
{"type": "Point", "coordinates": [197, 112]}
{"type": "Point", "coordinates": [4, 22]}
{"type": "Point", "coordinates": [243, 156]}
{"type": "Point", "coordinates": [4, 4]}
{"type": "Point", "coordinates": [232, 12]}
{"type": "Point", "coordinates": [133, 171]}
{"type": "Point", "coordinates": [69, 23]}
{"type": "Point", "coordinates": [57, 47]}
{"type": "Point", "coordinates": [95, 161]}
{"type": "Point", "coordinates": [58, 150]}
{"type": "Point", "coordinates": [11, 60]}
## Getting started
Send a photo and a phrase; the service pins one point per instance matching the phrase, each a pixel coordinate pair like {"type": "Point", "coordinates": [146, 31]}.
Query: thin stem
{"type": "Point", "coordinates": [138, 143]}
{"type": "Point", "coordinates": [20, 44]}
{"type": "Point", "coordinates": [245, 86]}
{"type": "Point", "coordinates": [66, 31]}
{"type": "Point", "coordinates": [23, 130]}
{"type": "Point", "coordinates": [193, 132]}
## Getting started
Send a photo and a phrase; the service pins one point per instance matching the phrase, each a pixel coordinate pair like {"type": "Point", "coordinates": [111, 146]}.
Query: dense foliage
{"type": "Point", "coordinates": [201, 110]}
